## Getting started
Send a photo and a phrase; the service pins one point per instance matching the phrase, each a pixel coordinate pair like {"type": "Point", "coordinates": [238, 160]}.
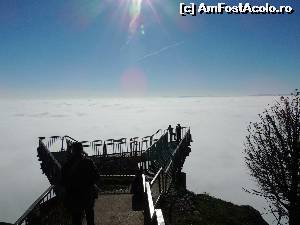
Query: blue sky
{"type": "Point", "coordinates": [144, 48]}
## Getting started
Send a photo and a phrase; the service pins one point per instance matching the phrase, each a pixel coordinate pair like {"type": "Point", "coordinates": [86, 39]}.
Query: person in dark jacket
{"type": "Point", "coordinates": [79, 176]}
{"type": "Point", "coordinates": [171, 134]}
{"type": "Point", "coordinates": [178, 133]}
{"type": "Point", "coordinates": [138, 191]}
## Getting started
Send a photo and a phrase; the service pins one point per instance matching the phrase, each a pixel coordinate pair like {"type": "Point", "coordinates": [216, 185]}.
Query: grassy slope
{"type": "Point", "coordinates": [185, 208]}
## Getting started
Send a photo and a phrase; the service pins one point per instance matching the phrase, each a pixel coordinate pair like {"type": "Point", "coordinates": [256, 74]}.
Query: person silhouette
{"type": "Point", "coordinates": [178, 133]}
{"type": "Point", "coordinates": [170, 129]}
{"type": "Point", "coordinates": [104, 149]}
{"type": "Point", "coordinates": [137, 190]}
{"type": "Point", "coordinates": [79, 177]}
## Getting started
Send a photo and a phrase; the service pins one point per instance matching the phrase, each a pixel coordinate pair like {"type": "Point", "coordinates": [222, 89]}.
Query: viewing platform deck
{"type": "Point", "coordinates": [158, 157]}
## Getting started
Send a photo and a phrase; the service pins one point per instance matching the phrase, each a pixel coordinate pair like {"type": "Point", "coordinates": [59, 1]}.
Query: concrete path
{"type": "Point", "coordinates": [116, 209]}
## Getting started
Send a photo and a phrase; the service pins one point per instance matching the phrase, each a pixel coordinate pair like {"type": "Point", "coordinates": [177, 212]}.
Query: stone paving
{"type": "Point", "coordinates": [116, 209]}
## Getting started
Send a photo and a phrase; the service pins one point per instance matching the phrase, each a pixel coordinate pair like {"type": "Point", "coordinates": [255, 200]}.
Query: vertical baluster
{"type": "Point", "coordinates": [62, 144]}
{"type": "Point", "coordinates": [113, 147]}
{"type": "Point", "coordinates": [140, 145]}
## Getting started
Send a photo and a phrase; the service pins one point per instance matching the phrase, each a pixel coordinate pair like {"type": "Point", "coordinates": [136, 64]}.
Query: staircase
{"type": "Point", "coordinates": [116, 209]}
{"type": "Point", "coordinates": [159, 165]}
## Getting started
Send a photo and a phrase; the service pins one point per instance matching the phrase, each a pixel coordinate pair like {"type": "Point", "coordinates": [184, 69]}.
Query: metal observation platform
{"type": "Point", "coordinates": [160, 157]}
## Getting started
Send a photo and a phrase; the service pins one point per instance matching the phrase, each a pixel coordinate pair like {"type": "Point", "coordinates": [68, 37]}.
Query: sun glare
{"type": "Point", "coordinates": [134, 13]}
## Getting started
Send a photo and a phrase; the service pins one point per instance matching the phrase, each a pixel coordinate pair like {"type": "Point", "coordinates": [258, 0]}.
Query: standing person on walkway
{"type": "Point", "coordinates": [104, 150]}
{"type": "Point", "coordinates": [170, 129]}
{"type": "Point", "coordinates": [137, 190]}
{"type": "Point", "coordinates": [79, 176]}
{"type": "Point", "coordinates": [178, 133]}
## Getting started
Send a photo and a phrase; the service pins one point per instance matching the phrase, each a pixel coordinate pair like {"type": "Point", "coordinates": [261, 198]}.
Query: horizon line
{"type": "Point", "coordinates": [149, 96]}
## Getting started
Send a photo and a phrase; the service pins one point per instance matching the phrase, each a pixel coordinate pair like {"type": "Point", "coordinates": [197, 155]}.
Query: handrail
{"type": "Point", "coordinates": [49, 193]}
{"type": "Point", "coordinates": [66, 136]}
{"type": "Point", "coordinates": [163, 173]}
{"type": "Point", "coordinates": [122, 145]}
{"type": "Point", "coordinates": [149, 199]}
{"type": "Point", "coordinates": [155, 215]}
{"type": "Point", "coordinates": [159, 217]}
{"type": "Point", "coordinates": [41, 144]}
{"type": "Point", "coordinates": [144, 182]}
{"type": "Point", "coordinates": [37, 202]}
{"type": "Point", "coordinates": [178, 147]}
{"type": "Point", "coordinates": [49, 165]}
{"type": "Point", "coordinates": [165, 161]}
{"type": "Point", "coordinates": [157, 180]}
{"type": "Point", "coordinates": [168, 169]}
{"type": "Point", "coordinates": [156, 176]}
{"type": "Point", "coordinates": [154, 144]}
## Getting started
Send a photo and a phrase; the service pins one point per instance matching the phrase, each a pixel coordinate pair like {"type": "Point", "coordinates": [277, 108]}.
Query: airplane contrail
{"type": "Point", "coordinates": [160, 50]}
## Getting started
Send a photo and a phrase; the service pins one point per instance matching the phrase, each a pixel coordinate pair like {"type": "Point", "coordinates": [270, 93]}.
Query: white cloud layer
{"type": "Point", "coordinates": [215, 165]}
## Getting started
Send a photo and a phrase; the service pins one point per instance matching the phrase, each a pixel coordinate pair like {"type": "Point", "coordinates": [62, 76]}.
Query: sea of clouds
{"type": "Point", "coordinates": [215, 165]}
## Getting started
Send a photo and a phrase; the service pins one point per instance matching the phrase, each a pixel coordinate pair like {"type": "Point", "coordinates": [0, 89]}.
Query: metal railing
{"type": "Point", "coordinates": [157, 186]}
{"type": "Point", "coordinates": [49, 165]}
{"type": "Point", "coordinates": [45, 197]}
{"type": "Point", "coordinates": [157, 155]}
{"type": "Point", "coordinates": [59, 213]}
{"type": "Point", "coordinates": [164, 176]}
{"type": "Point", "coordinates": [176, 161]}
{"type": "Point", "coordinates": [110, 147]}
{"type": "Point", "coordinates": [152, 214]}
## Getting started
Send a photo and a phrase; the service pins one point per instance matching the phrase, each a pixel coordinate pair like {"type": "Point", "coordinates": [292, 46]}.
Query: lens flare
{"type": "Point", "coordinates": [134, 82]}
{"type": "Point", "coordinates": [134, 13]}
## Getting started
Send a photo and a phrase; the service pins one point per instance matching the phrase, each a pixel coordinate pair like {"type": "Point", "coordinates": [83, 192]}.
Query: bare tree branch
{"type": "Point", "coordinates": [272, 154]}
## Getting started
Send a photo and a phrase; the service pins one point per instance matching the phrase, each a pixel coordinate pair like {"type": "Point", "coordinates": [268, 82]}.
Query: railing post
{"type": "Point", "coordinates": [158, 154]}
{"type": "Point", "coordinates": [62, 144]}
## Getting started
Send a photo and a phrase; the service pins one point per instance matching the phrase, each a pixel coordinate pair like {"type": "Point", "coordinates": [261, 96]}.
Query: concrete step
{"type": "Point", "coordinates": [116, 209]}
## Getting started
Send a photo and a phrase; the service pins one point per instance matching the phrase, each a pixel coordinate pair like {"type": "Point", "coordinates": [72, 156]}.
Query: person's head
{"type": "Point", "coordinates": [77, 149]}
